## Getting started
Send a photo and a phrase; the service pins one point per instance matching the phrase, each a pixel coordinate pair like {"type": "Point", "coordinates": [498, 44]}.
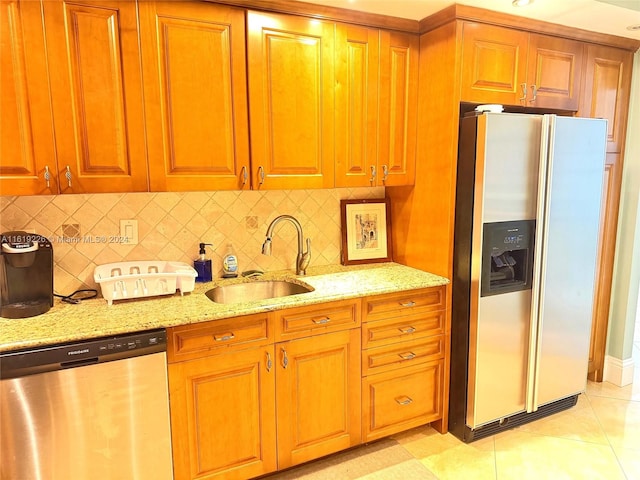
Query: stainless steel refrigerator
{"type": "Point", "coordinates": [528, 201]}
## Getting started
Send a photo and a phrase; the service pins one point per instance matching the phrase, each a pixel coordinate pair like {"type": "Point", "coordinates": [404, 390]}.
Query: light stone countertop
{"type": "Point", "coordinates": [94, 318]}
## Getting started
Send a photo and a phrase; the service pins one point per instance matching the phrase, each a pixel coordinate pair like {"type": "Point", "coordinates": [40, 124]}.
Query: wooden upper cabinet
{"type": "Point", "coordinates": [513, 67]}
{"type": "Point", "coordinates": [291, 101]}
{"type": "Point", "coordinates": [606, 90]}
{"type": "Point", "coordinates": [398, 108]}
{"type": "Point", "coordinates": [554, 72]}
{"type": "Point", "coordinates": [195, 95]}
{"type": "Point", "coordinates": [357, 68]}
{"type": "Point", "coordinates": [26, 142]}
{"type": "Point", "coordinates": [494, 63]}
{"type": "Point", "coordinates": [96, 93]}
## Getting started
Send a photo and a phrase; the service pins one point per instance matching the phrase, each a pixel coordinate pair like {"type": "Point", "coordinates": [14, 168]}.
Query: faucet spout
{"type": "Point", "coordinates": [303, 258]}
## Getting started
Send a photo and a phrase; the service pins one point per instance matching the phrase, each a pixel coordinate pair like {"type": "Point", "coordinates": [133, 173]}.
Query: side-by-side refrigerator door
{"type": "Point", "coordinates": [564, 269]}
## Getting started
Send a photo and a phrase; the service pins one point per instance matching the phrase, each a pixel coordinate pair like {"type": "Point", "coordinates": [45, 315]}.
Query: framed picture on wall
{"type": "Point", "coordinates": [366, 231]}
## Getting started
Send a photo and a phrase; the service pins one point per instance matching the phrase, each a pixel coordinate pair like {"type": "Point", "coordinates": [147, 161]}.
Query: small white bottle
{"type": "Point", "coordinates": [230, 263]}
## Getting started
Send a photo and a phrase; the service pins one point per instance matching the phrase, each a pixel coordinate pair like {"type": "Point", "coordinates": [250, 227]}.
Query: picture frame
{"type": "Point", "coordinates": [366, 231]}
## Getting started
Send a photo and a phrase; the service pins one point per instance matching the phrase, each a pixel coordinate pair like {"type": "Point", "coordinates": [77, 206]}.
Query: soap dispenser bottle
{"type": "Point", "coordinates": [202, 265]}
{"type": "Point", "coordinates": [230, 263]}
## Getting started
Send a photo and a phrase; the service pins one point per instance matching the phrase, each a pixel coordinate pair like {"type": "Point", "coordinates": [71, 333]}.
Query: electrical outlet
{"type": "Point", "coordinates": [129, 232]}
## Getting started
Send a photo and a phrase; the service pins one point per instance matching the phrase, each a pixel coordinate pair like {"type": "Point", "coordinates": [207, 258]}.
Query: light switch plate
{"type": "Point", "coordinates": [129, 232]}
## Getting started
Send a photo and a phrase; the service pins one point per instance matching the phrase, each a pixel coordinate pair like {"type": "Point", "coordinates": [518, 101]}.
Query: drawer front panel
{"type": "Point", "coordinates": [398, 329]}
{"type": "Point", "coordinates": [402, 399]}
{"type": "Point", "coordinates": [390, 357]}
{"type": "Point", "coordinates": [413, 301]}
{"type": "Point", "coordinates": [317, 319]}
{"type": "Point", "coordinates": [193, 341]}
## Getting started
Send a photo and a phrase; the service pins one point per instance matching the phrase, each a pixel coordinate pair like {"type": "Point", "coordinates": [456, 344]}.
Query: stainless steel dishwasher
{"type": "Point", "coordinates": [95, 409]}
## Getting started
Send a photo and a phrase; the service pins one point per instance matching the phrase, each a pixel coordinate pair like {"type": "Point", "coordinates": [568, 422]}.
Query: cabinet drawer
{"type": "Point", "coordinates": [397, 329]}
{"type": "Point", "coordinates": [316, 319]}
{"type": "Point", "coordinates": [401, 399]}
{"type": "Point", "coordinates": [208, 338]}
{"type": "Point", "coordinates": [390, 357]}
{"type": "Point", "coordinates": [412, 301]}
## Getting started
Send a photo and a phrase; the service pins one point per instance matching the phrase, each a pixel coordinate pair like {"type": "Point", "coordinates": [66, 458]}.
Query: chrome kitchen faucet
{"type": "Point", "coordinates": [303, 258]}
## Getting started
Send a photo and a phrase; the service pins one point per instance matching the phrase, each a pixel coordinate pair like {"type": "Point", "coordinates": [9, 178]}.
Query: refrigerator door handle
{"type": "Point", "coordinates": [537, 289]}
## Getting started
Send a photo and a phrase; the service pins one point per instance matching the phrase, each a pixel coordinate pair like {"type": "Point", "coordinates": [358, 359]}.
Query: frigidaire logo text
{"type": "Point", "coordinates": [78, 352]}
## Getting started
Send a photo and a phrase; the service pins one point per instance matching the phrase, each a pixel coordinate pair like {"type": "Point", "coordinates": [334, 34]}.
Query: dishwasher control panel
{"type": "Point", "coordinates": [82, 353]}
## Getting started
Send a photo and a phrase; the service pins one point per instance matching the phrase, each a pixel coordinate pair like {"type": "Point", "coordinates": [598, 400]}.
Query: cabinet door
{"type": "Point", "coordinates": [223, 416]}
{"type": "Point", "coordinates": [606, 91]}
{"type": "Point", "coordinates": [318, 396]}
{"type": "Point", "coordinates": [26, 141]}
{"type": "Point", "coordinates": [357, 66]}
{"type": "Point", "coordinates": [398, 108]}
{"type": "Point", "coordinates": [291, 95]}
{"type": "Point", "coordinates": [554, 72]}
{"type": "Point", "coordinates": [606, 95]}
{"type": "Point", "coordinates": [494, 63]}
{"type": "Point", "coordinates": [195, 96]}
{"type": "Point", "coordinates": [96, 91]}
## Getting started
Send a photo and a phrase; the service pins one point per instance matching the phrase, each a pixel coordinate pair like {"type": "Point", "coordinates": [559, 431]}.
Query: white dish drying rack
{"type": "Point", "coordinates": [126, 280]}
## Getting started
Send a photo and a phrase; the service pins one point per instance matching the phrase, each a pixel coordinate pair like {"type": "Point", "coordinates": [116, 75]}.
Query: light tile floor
{"type": "Point", "coordinates": [599, 438]}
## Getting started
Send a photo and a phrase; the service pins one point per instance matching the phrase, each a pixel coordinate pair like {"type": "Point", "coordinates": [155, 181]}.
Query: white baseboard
{"type": "Point", "coordinates": [616, 371]}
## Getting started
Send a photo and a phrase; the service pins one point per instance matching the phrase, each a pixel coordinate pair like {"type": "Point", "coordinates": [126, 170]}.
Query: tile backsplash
{"type": "Point", "coordinates": [85, 229]}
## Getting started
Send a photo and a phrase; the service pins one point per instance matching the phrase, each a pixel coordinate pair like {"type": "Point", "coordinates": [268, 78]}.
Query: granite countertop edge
{"type": "Point", "coordinates": [94, 318]}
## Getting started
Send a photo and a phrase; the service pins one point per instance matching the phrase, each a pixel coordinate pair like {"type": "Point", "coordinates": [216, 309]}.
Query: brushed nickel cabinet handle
{"type": "Point", "coordinates": [408, 304]}
{"type": "Point", "coordinates": [244, 175]}
{"type": "Point", "coordinates": [47, 175]}
{"type": "Point", "coordinates": [321, 321]}
{"type": "Point", "coordinates": [407, 356]}
{"type": "Point", "coordinates": [534, 92]}
{"type": "Point", "coordinates": [68, 175]}
{"type": "Point", "coordinates": [269, 363]}
{"type": "Point", "coordinates": [373, 175]}
{"type": "Point", "coordinates": [385, 173]}
{"type": "Point", "coordinates": [225, 337]}
{"type": "Point", "coordinates": [404, 400]}
{"type": "Point", "coordinates": [285, 359]}
{"type": "Point", "coordinates": [524, 92]}
{"type": "Point", "coordinates": [260, 175]}
{"type": "Point", "coordinates": [407, 329]}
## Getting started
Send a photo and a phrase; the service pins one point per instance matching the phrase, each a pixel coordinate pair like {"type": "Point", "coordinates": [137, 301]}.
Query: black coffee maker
{"type": "Point", "coordinates": [26, 274]}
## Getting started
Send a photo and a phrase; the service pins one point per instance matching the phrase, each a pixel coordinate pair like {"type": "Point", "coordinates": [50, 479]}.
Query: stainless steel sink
{"type": "Point", "coordinates": [256, 290]}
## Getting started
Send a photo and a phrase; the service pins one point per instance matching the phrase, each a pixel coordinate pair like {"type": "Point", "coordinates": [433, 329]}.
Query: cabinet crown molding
{"type": "Point", "coordinates": [481, 15]}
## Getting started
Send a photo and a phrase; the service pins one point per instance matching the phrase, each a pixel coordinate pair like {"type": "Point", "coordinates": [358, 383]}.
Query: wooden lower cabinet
{"type": "Point", "coordinates": [318, 396]}
{"type": "Point", "coordinates": [401, 399]}
{"type": "Point", "coordinates": [258, 393]}
{"type": "Point", "coordinates": [223, 415]}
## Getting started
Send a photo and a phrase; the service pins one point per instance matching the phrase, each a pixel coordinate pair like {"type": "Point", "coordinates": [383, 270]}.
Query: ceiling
{"type": "Point", "coordinates": [604, 16]}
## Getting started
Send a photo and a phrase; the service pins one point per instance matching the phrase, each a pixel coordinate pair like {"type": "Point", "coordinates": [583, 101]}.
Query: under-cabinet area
{"type": "Point", "coordinates": [317, 375]}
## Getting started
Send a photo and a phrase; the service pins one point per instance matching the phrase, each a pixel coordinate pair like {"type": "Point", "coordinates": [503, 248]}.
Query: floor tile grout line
{"type": "Point", "coordinates": [613, 450]}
